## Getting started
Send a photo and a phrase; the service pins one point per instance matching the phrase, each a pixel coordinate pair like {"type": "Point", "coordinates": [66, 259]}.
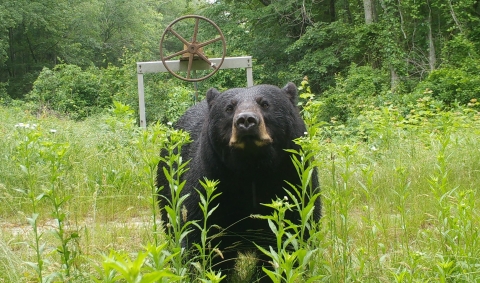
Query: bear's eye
{"type": "Point", "coordinates": [264, 104]}
{"type": "Point", "coordinates": [229, 108]}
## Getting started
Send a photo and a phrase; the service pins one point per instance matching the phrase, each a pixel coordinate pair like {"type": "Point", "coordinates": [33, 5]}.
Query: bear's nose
{"type": "Point", "coordinates": [246, 120]}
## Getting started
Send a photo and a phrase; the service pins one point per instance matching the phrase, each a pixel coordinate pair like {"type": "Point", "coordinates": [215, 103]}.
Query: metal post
{"type": "Point", "coordinates": [141, 101]}
{"type": "Point", "coordinates": [249, 76]}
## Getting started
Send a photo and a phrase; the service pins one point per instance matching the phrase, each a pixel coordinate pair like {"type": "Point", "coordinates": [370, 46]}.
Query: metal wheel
{"type": "Point", "coordinates": [193, 50]}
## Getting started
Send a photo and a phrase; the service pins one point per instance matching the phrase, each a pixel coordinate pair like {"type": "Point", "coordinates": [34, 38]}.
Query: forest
{"type": "Point", "coordinates": [402, 47]}
{"type": "Point", "coordinates": [389, 91]}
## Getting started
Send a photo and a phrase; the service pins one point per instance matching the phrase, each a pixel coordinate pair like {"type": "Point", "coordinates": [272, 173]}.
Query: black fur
{"type": "Point", "coordinates": [248, 176]}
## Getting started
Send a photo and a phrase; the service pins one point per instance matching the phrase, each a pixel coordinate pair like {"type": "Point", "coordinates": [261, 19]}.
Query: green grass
{"type": "Point", "coordinates": [107, 205]}
{"type": "Point", "coordinates": [402, 205]}
{"type": "Point", "coordinates": [400, 195]}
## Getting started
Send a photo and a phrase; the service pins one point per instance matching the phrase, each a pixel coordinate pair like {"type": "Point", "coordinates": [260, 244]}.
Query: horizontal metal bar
{"type": "Point", "coordinates": [177, 65]}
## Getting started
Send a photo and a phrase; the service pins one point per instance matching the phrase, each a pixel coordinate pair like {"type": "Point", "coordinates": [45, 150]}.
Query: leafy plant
{"type": "Point", "coordinates": [54, 154]}
{"type": "Point", "coordinates": [149, 143]}
{"type": "Point", "coordinates": [176, 212]}
{"type": "Point", "coordinates": [27, 156]}
{"type": "Point", "coordinates": [452, 85]}
{"type": "Point", "coordinates": [178, 100]}
{"type": "Point", "coordinates": [35, 150]}
{"type": "Point", "coordinates": [204, 249]}
{"type": "Point", "coordinates": [70, 90]}
{"type": "Point", "coordinates": [151, 265]}
{"type": "Point", "coordinates": [289, 257]}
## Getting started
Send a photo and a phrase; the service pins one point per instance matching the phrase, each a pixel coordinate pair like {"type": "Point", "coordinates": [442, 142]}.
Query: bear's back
{"type": "Point", "coordinates": [193, 119]}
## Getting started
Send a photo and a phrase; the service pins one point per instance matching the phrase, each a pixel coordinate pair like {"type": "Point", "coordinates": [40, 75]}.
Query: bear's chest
{"type": "Point", "coordinates": [247, 195]}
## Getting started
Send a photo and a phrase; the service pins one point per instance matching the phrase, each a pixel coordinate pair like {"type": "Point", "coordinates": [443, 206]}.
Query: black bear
{"type": "Point", "coordinates": [239, 138]}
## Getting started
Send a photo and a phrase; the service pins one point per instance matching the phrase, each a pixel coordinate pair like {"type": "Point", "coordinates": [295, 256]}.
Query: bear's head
{"type": "Point", "coordinates": [254, 119]}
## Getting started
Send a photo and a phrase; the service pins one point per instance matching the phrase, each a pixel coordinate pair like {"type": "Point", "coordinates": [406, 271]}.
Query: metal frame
{"type": "Point", "coordinates": [177, 65]}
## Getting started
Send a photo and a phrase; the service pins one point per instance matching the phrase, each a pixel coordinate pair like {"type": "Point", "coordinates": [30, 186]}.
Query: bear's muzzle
{"type": "Point", "coordinates": [248, 127]}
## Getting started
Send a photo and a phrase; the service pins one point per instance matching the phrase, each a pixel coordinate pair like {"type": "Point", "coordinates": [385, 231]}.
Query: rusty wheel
{"type": "Point", "coordinates": [196, 49]}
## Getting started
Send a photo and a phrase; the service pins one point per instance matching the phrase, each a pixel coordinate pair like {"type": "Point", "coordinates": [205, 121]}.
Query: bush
{"type": "Point", "coordinates": [460, 52]}
{"type": "Point", "coordinates": [3, 93]}
{"type": "Point", "coordinates": [451, 85]}
{"type": "Point", "coordinates": [70, 90]}
{"type": "Point", "coordinates": [179, 99]}
{"type": "Point", "coordinates": [361, 85]}
{"type": "Point", "coordinates": [77, 93]}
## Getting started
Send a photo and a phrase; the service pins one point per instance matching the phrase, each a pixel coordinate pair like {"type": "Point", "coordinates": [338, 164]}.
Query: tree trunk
{"type": "Point", "coordinates": [452, 12]}
{"type": "Point", "coordinates": [348, 12]}
{"type": "Point", "coordinates": [402, 22]}
{"type": "Point", "coordinates": [11, 57]}
{"type": "Point", "coordinates": [432, 59]}
{"type": "Point", "coordinates": [331, 11]}
{"type": "Point", "coordinates": [393, 79]}
{"type": "Point", "coordinates": [369, 9]}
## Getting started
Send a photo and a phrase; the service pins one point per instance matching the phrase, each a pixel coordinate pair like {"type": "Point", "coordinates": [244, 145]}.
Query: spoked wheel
{"type": "Point", "coordinates": [199, 37]}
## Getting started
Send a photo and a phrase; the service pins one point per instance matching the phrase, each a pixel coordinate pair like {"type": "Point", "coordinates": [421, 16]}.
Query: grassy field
{"type": "Point", "coordinates": [400, 197]}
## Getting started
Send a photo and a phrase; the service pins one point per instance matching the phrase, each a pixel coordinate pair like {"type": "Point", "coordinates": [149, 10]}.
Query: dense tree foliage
{"type": "Point", "coordinates": [400, 47]}
{"type": "Point", "coordinates": [407, 39]}
{"type": "Point", "coordinates": [37, 34]}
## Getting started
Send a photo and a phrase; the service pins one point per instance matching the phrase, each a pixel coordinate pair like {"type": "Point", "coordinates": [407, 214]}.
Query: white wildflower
{"type": "Point", "coordinates": [26, 126]}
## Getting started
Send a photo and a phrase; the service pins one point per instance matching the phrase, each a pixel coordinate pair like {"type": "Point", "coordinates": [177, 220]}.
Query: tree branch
{"type": "Point", "coordinates": [454, 16]}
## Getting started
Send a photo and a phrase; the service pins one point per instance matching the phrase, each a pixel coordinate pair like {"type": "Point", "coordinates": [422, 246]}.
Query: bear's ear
{"type": "Point", "coordinates": [291, 90]}
{"type": "Point", "coordinates": [211, 94]}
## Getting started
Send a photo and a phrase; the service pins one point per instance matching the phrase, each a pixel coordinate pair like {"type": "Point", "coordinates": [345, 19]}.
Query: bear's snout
{"type": "Point", "coordinates": [249, 128]}
{"type": "Point", "coordinates": [246, 121]}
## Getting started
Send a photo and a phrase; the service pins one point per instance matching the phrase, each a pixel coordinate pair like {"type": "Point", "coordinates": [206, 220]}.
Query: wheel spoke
{"type": "Point", "coordinates": [179, 36]}
{"type": "Point", "coordinates": [176, 54]}
{"type": "Point", "coordinates": [195, 30]}
{"type": "Point", "coordinates": [204, 58]}
{"type": "Point", "coordinates": [209, 42]}
{"type": "Point", "coordinates": [193, 48]}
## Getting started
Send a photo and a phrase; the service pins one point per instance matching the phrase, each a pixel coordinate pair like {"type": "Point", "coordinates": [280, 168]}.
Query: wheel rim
{"type": "Point", "coordinates": [193, 49]}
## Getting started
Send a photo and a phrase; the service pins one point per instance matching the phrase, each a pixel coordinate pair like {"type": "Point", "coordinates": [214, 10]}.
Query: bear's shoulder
{"type": "Point", "coordinates": [193, 119]}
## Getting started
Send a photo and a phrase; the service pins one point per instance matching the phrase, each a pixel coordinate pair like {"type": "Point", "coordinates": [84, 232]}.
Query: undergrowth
{"type": "Point", "coordinates": [399, 194]}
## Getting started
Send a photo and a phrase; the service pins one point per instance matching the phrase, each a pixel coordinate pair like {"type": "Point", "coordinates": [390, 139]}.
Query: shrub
{"type": "Point", "coordinates": [70, 90]}
{"type": "Point", "coordinates": [362, 84]}
{"type": "Point", "coordinates": [451, 85]}
{"type": "Point", "coordinates": [3, 93]}
{"type": "Point", "coordinates": [178, 100]}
